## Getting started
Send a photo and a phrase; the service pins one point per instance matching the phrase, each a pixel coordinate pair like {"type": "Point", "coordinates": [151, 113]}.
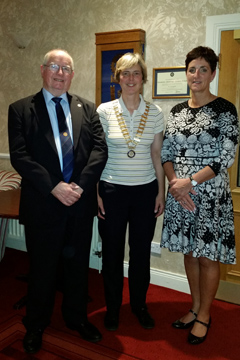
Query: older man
{"type": "Point", "coordinates": [58, 147]}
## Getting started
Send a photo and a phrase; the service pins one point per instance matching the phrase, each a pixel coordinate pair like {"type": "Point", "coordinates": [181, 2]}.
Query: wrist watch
{"type": "Point", "coordinates": [193, 182]}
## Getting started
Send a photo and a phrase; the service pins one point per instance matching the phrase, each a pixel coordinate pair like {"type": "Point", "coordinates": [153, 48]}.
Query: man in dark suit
{"type": "Point", "coordinates": [57, 213]}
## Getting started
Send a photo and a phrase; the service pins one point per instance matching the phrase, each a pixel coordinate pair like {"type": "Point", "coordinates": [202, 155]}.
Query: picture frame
{"type": "Point", "coordinates": [110, 46]}
{"type": "Point", "coordinates": [170, 83]}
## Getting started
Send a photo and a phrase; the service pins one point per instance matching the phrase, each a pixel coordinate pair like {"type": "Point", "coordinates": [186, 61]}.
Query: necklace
{"type": "Point", "coordinates": [132, 143]}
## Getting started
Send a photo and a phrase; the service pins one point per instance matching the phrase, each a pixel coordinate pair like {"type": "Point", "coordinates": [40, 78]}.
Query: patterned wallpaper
{"type": "Point", "coordinates": [173, 27]}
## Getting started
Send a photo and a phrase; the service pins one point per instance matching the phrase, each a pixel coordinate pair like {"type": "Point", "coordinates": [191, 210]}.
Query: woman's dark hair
{"type": "Point", "coordinates": [202, 52]}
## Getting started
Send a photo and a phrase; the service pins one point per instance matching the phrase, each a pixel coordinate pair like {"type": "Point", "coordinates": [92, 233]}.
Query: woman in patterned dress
{"type": "Point", "coordinates": [199, 146]}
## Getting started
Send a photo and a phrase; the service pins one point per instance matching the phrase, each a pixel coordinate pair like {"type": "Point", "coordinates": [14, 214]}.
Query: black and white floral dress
{"type": "Point", "coordinates": [195, 138]}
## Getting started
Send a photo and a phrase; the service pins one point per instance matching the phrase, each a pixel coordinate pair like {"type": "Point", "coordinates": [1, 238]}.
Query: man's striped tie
{"type": "Point", "coordinates": [66, 141]}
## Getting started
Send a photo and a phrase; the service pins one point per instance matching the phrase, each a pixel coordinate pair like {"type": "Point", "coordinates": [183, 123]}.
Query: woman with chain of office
{"type": "Point", "coordinates": [131, 189]}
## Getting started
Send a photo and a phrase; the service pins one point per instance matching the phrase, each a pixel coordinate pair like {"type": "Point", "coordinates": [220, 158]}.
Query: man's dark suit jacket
{"type": "Point", "coordinates": [34, 156]}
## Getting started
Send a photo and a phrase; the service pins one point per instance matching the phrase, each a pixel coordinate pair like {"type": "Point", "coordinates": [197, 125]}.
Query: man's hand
{"type": "Point", "coordinates": [76, 188]}
{"type": "Point", "coordinates": [67, 194]}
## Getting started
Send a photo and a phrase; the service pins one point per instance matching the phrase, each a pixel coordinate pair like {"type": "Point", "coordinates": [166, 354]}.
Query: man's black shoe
{"type": "Point", "coordinates": [88, 331]}
{"type": "Point", "coordinates": [111, 321]}
{"type": "Point", "coordinates": [144, 318]}
{"type": "Point", "coordinates": [32, 341]}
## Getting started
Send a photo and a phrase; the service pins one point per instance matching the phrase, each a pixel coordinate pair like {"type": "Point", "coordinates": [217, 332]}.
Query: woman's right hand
{"type": "Point", "coordinates": [180, 189]}
{"type": "Point", "coordinates": [101, 211]}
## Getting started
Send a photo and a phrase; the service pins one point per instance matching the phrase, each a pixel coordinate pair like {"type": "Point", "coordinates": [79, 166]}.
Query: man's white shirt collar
{"type": "Point", "coordinates": [48, 96]}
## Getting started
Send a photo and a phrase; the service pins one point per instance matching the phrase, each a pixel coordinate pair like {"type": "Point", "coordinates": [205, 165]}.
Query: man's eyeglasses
{"type": "Point", "coordinates": [55, 68]}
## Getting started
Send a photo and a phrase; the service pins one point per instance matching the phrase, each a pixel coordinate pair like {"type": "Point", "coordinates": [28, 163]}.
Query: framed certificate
{"type": "Point", "coordinates": [170, 83]}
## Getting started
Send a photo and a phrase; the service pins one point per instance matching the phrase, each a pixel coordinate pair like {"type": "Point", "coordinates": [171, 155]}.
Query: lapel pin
{"type": "Point", "coordinates": [79, 105]}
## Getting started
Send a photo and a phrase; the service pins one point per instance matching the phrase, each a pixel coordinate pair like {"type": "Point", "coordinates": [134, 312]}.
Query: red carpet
{"type": "Point", "coordinates": [130, 341]}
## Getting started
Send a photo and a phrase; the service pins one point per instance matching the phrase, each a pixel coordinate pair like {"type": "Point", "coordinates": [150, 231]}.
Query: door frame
{"type": "Point", "coordinates": [227, 291]}
{"type": "Point", "coordinates": [214, 26]}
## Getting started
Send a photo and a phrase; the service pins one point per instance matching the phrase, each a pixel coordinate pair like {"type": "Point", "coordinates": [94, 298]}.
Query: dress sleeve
{"type": "Point", "coordinates": [166, 152]}
{"type": "Point", "coordinates": [228, 139]}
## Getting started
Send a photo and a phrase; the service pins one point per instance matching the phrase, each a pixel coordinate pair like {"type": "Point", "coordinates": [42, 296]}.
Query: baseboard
{"type": "Point", "coordinates": [227, 291]}
{"type": "Point", "coordinates": [158, 277]}
{"type": "Point", "coordinates": [165, 279]}
{"type": "Point", "coordinates": [169, 280]}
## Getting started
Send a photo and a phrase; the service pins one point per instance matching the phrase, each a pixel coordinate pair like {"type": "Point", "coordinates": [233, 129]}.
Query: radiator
{"type": "Point", "coordinates": [15, 236]}
{"type": "Point", "coordinates": [15, 229]}
{"type": "Point", "coordinates": [16, 239]}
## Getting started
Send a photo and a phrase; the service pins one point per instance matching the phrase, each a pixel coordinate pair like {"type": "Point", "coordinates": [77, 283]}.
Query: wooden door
{"type": "Point", "coordinates": [111, 45]}
{"type": "Point", "coordinates": [229, 88]}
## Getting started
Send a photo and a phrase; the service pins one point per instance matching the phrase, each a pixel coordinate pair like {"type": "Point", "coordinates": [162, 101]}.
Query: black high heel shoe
{"type": "Point", "coordinates": [195, 340]}
{"type": "Point", "coordinates": [178, 324]}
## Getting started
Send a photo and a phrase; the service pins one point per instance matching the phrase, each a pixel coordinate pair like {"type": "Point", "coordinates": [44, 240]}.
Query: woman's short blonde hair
{"type": "Point", "coordinates": [127, 61]}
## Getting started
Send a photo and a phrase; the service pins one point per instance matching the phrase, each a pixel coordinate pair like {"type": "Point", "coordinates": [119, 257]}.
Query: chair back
{"type": "Point", "coordinates": [9, 180]}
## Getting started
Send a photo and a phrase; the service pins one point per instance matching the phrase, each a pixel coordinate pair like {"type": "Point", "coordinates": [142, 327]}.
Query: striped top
{"type": "Point", "coordinates": [120, 169]}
